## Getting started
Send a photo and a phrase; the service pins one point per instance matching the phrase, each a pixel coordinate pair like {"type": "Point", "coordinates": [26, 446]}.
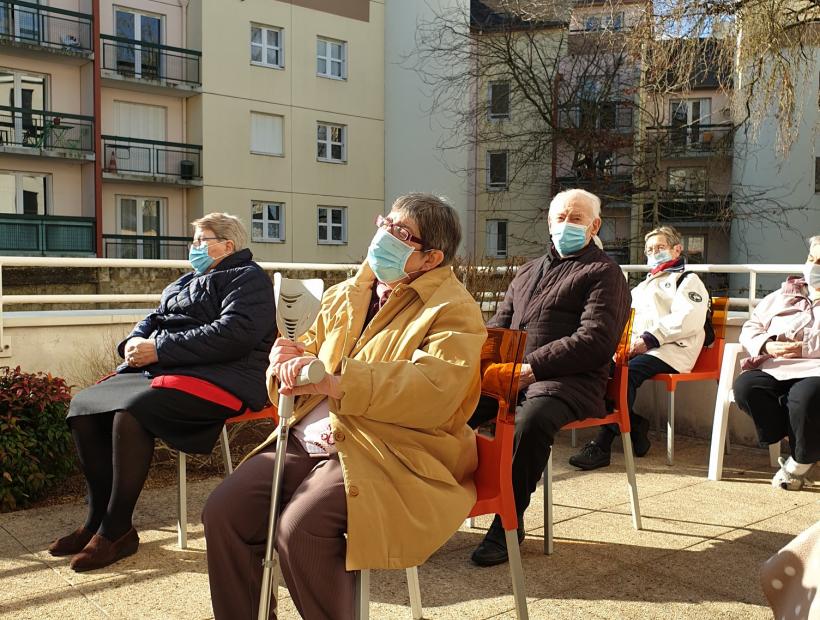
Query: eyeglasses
{"type": "Point", "coordinates": [650, 250]}
{"type": "Point", "coordinates": [397, 230]}
{"type": "Point", "coordinates": [198, 243]}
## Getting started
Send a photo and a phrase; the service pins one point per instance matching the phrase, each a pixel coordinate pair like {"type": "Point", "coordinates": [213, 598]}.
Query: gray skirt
{"type": "Point", "coordinates": [183, 421]}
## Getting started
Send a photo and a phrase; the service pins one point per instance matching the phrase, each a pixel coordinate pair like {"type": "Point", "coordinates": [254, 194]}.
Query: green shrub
{"type": "Point", "coordinates": [36, 451]}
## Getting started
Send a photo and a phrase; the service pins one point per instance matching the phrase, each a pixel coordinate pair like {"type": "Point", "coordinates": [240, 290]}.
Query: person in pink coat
{"type": "Point", "coordinates": [780, 388]}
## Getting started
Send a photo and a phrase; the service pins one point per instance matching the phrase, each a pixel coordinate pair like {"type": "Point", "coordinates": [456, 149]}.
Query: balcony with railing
{"type": "Point", "coordinates": [163, 66]}
{"type": "Point", "coordinates": [615, 116]}
{"type": "Point", "coordinates": [690, 208]}
{"type": "Point", "coordinates": [33, 26]}
{"type": "Point", "coordinates": [151, 161]}
{"type": "Point", "coordinates": [26, 131]}
{"type": "Point", "coordinates": [46, 235]}
{"type": "Point", "coordinates": [145, 246]}
{"type": "Point", "coordinates": [695, 140]}
{"type": "Point", "coordinates": [613, 187]}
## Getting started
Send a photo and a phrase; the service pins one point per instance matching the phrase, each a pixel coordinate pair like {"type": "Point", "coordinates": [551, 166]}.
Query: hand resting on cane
{"type": "Point", "coordinates": [288, 372]}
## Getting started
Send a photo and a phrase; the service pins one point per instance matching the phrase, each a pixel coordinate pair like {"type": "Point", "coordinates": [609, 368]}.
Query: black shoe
{"type": "Point", "coordinates": [591, 456]}
{"type": "Point", "coordinates": [640, 436]}
{"type": "Point", "coordinates": [493, 549]}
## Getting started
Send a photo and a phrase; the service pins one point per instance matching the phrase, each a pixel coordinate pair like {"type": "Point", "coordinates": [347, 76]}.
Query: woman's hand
{"type": "Point", "coordinates": [784, 349]}
{"type": "Point", "coordinates": [638, 347]}
{"type": "Point", "coordinates": [141, 352]}
{"type": "Point", "coordinates": [330, 386]}
{"type": "Point", "coordinates": [284, 350]}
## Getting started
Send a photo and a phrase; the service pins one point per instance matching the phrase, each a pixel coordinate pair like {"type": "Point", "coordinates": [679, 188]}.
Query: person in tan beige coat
{"type": "Point", "coordinates": [379, 471]}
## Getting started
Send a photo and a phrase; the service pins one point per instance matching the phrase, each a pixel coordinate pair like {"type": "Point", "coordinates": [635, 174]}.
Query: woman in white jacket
{"type": "Point", "coordinates": [780, 388]}
{"type": "Point", "coordinates": [670, 310]}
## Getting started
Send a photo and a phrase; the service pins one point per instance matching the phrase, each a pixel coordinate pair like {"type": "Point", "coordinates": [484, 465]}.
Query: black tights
{"type": "Point", "coordinates": [115, 453]}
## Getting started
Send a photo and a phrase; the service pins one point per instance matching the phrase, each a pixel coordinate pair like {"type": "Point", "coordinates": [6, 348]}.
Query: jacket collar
{"type": "Point", "coordinates": [795, 285]}
{"type": "Point", "coordinates": [233, 260]}
{"type": "Point", "coordinates": [424, 286]}
{"type": "Point", "coordinates": [677, 265]}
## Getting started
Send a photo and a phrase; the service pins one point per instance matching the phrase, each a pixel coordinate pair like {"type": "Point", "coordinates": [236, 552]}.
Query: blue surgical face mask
{"type": "Point", "coordinates": [200, 259]}
{"type": "Point", "coordinates": [811, 271]}
{"type": "Point", "coordinates": [569, 238]}
{"type": "Point", "coordinates": [659, 258]}
{"type": "Point", "coordinates": [387, 256]}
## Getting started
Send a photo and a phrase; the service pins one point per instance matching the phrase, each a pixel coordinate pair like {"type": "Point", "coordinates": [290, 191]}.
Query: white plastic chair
{"type": "Point", "coordinates": [363, 594]}
{"type": "Point", "coordinates": [725, 397]}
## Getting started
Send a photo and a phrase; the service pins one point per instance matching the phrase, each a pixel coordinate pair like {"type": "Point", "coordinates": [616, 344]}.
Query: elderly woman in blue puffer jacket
{"type": "Point", "coordinates": [199, 359]}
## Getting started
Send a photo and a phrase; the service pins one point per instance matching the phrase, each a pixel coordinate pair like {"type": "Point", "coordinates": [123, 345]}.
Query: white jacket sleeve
{"type": "Point", "coordinates": [754, 333]}
{"type": "Point", "coordinates": [688, 312]}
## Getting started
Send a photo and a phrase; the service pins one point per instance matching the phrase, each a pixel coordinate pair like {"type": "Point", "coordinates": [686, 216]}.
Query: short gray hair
{"type": "Point", "coordinates": [672, 235]}
{"type": "Point", "coordinates": [562, 198]}
{"type": "Point", "coordinates": [814, 240]}
{"type": "Point", "coordinates": [437, 221]}
{"type": "Point", "coordinates": [225, 226]}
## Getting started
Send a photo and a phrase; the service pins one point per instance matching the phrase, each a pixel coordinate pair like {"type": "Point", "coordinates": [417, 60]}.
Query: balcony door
{"type": "Point", "coordinates": [144, 122]}
{"type": "Point", "coordinates": [142, 218]}
{"type": "Point", "coordinates": [22, 98]}
{"type": "Point", "coordinates": [21, 21]}
{"type": "Point", "coordinates": [686, 117]}
{"type": "Point", "coordinates": [139, 57]}
{"type": "Point", "coordinates": [22, 193]}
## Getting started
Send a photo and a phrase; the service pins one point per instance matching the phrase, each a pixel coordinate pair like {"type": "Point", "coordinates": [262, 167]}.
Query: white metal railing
{"type": "Point", "coordinates": [52, 262]}
{"type": "Point", "coordinates": [743, 303]}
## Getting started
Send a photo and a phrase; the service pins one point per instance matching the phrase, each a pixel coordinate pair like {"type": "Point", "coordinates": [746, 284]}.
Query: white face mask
{"type": "Point", "coordinates": [811, 272]}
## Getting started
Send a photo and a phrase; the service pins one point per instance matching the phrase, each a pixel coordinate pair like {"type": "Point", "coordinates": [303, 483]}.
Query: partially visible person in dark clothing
{"type": "Point", "coordinates": [574, 304]}
{"type": "Point", "coordinates": [212, 332]}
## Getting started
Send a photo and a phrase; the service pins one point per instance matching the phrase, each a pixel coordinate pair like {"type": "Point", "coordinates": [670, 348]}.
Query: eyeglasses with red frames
{"type": "Point", "coordinates": [397, 230]}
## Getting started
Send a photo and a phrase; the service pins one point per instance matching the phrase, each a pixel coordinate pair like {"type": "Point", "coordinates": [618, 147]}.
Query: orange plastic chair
{"type": "Point", "coordinates": [268, 413]}
{"type": "Point", "coordinates": [706, 367]}
{"type": "Point", "coordinates": [493, 478]}
{"type": "Point", "coordinates": [616, 391]}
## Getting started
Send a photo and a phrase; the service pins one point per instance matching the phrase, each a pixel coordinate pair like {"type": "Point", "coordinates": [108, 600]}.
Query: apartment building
{"type": "Point", "coordinates": [129, 118]}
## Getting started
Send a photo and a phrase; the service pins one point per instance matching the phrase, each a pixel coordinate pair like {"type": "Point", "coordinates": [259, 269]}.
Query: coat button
{"type": "Point", "coordinates": [338, 436]}
{"type": "Point", "coordinates": [354, 491]}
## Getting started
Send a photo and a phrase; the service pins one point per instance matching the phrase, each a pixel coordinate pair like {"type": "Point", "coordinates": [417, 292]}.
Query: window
{"type": "Point", "coordinates": [332, 225]}
{"type": "Point", "coordinates": [694, 246]}
{"type": "Point", "coordinates": [141, 217]}
{"type": "Point", "coordinates": [604, 21]}
{"type": "Point", "coordinates": [134, 59]}
{"type": "Point", "coordinates": [330, 142]}
{"type": "Point", "coordinates": [497, 170]}
{"type": "Point", "coordinates": [687, 182]}
{"type": "Point", "coordinates": [686, 117]}
{"type": "Point", "coordinates": [331, 58]}
{"type": "Point", "coordinates": [27, 93]}
{"type": "Point", "coordinates": [266, 47]}
{"type": "Point", "coordinates": [24, 194]}
{"type": "Point", "coordinates": [499, 100]}
{"type": "Point", "coordinates": [266, 134]}
{"type": "Point", "coordinates": [268, 221]}
{"type": "Point", "coordinates": [496, 246]}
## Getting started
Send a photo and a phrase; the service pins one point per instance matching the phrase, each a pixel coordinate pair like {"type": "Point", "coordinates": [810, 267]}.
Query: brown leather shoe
{"type": "Point", "coordinates": [101, 552]}
{"type": "Point", "coordinates": [71, 544]}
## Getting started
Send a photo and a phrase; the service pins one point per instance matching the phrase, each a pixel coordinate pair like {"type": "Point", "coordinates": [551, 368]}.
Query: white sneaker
{"type": "Point", "coordinates": [788, 481]}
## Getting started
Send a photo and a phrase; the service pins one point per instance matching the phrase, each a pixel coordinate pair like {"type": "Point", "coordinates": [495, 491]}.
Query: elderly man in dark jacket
{"type": "Point", "coordinates": [574, 304]}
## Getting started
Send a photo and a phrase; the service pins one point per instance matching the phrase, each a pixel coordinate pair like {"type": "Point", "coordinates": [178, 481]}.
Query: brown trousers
{"type": "Point", "coordinates": [310, 537]}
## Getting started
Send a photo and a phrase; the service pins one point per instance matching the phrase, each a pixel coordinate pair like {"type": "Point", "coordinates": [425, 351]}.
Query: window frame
{"type": "Point", "coordinates": [329, 225]}
{"type": "Point", "coordinates": [498, 187]}
{"type": "Point", "coordinates": [493, 116]}
{"type": "Point", "coordinates": [491, 227]}
{"type": "Point", "coordinates": [19, 201]}
{"type": "Point", "coordinates": [267, 153]}
{"type": "Point", "coordinates": [329, 60]}
{"type": "Point", "coordinates": [280, 48]}
{"type": "Point", "coordinates": [330, 143]}
{"type": "Point", "coordinates": [689, 194]}
{"type": "Point", "coordinates": [265, 221]}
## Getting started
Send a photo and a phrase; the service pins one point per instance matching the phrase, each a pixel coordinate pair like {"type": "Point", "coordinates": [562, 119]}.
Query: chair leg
{"type": "Point", "coordinates": [629, 462]}
{"type": "Point", "coordinates": [720, 425]}
{"type": "Point", "coordinates": [670, 429]}
{"type": "Point", "coordinates": [573, 438]}
{"type": "Point", "coordinates": [728, 442]}
{"type": "Point", "coordinates": [774, 454]}
{"type": "Point", "coordinates": [517, 574]}
{"type": "Point", "coordinates": [362, 599]}
{"type": "Point", "coordinates": [415, 592]}
{"type": "Point", "coordinates": [548, 507]}
{"type": "Point", "coordinates": [470, 522]}
{"type": "Point", "coordinates": [182, 503]}
{"type": "Point", "coordinates": [226, 451]}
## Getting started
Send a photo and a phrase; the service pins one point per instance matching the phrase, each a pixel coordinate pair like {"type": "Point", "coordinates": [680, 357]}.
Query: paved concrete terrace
{"type": "Point", "coordinates": [697, 557]}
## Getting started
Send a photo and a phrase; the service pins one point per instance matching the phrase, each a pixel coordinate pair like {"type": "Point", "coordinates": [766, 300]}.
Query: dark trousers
{"type": "Point", "coordinates": [537, 420]}
{"type": "Point", "coordinates": [310, 537]}
{"type": "Point", "coordinates": [641, 368]}
{"type": "Point", "coordinates": [783, 408]}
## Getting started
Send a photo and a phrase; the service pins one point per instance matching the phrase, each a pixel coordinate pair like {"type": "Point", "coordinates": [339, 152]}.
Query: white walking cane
{"type": "Point", "coordinates": [297, 306]}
